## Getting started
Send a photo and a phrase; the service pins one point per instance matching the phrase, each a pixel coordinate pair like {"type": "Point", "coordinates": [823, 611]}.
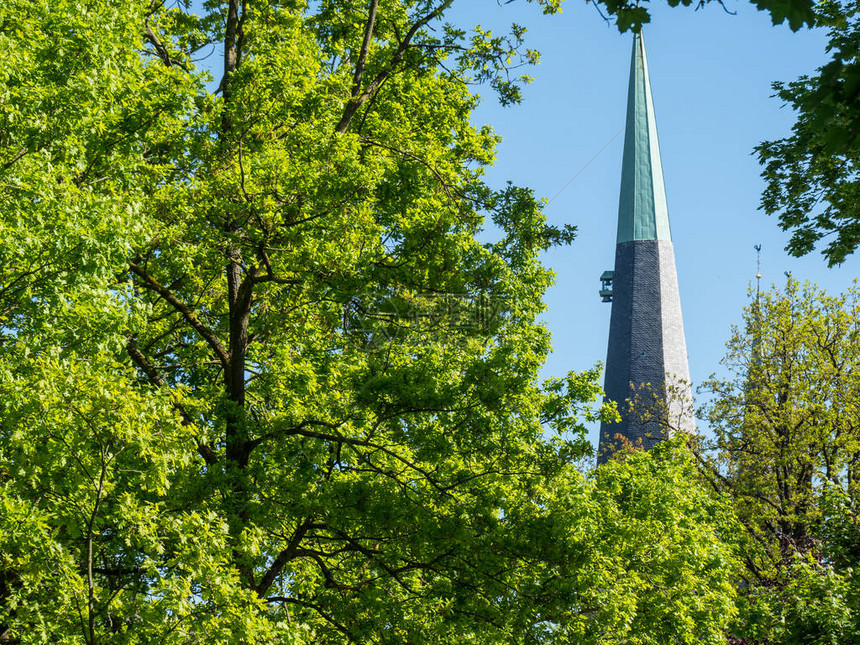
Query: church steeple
{"type": "Point", "coordinates": [647, 355]}
{"type": "Point", "coordinates": [642, 210]}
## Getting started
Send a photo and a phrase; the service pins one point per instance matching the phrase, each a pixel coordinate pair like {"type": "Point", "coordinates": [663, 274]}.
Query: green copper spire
{"type": "Point", "coordinates": [642, 211]}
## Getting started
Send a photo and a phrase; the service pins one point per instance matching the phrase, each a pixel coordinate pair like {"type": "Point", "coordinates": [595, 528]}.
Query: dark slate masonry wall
{"type": "Point", "coordinates": [645, 330]}
{"type": "Point", "coordinates": [675, 362]}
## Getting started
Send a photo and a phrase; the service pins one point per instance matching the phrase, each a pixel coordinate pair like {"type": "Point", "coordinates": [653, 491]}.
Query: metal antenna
{"type": "Point", "coordinates": [757, 248]}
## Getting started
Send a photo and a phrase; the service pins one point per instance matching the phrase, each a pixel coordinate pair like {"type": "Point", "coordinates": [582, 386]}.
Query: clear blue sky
{"type": "Point", "coordinates": [711, 76]}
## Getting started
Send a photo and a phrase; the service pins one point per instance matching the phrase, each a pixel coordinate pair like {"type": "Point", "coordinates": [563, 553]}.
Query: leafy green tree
{"type": "Point", "coordinates": [645, 553]}
{"type": "Point", "coordinates": [785, 450]}
{"type": "Point", "coordinates": [260, 381]}
{"type": "Point", "coordinates": [811, 176]}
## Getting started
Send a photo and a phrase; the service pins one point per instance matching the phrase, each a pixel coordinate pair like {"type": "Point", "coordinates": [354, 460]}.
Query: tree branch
{"type": "Point", "coordinates": [160, 49]}
{"type": "Point", "coordinates": [365, 47]}
{"type": "Point", "coordinates": [17, 156]}
{"type": "Point", "coordinates": [308, 605]}
{"type": "Point", "coordinates": [157, 379]}
{"type": "Point", "coordinates": [301, 431]}
{"type": "Point", "coordinates": [358, 100]}
{"type": "Point", "coordinates": [284, 557]}
{"type": "Point", "coordinates": [153, 285]}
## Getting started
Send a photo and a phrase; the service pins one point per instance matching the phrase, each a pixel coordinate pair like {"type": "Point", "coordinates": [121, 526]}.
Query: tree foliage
{"type": "Point", "coordinates": [812, 175]}
{"type": "Point", "coordinates": [786, 450]}
{"type": "Point", "coordinates": [260, 380]}
{"type": "Point", "coordinates": [631, 14]}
